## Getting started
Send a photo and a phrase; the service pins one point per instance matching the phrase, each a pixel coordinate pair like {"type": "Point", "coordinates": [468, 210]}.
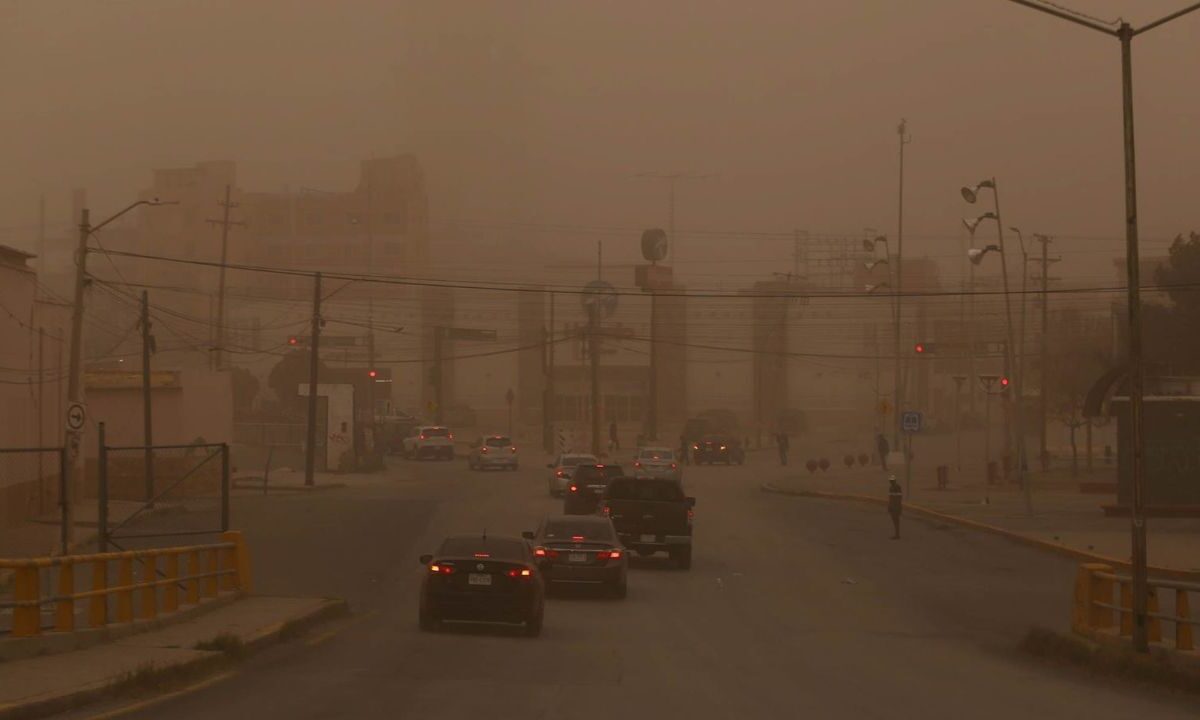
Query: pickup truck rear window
{"type": "Point", "coordinates": [498, 441]}
{"type": "Point", "coordinates": [653, 490]}
{"type": "Point", "coordinates": [586, 529]}
{"type": "Point", "coordinates": [435, 432]}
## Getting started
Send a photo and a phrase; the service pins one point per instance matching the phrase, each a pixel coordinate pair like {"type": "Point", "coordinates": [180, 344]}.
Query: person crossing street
{"type": "Point", "coordinates": [895, 504]}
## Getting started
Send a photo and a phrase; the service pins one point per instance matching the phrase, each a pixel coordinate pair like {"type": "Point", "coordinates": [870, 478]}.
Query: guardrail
{"type": "Point", "coordinates": [208, 570]}
{"type": "Point", "coordinates": [1104, 601]}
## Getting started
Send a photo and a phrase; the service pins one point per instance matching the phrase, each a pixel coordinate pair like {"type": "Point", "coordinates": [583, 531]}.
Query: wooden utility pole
{"type": "Point", "coordinates": [147, 404]}
{"type": "Point", "coordinates": [314, 365]}
{"type": "Point", "coordinates": [438, 333]}
{"type": "Point", "coordinates": [219, 330]}
{"type": "Point", "coordinates": [41, 413]}
{"type": "Point", "coordinates": [1043, 451]}
{"type": "Point", "coordinates": [74, 437]}
{"type": "Point", "coordinates": [548, 398]}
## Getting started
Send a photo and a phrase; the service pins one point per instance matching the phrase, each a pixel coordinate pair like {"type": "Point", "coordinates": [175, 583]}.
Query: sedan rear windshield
{"type": "Point", "coordinates": [655, 490]}
{"type": "Point", "coordinates": [657, 455]}
{"type": "Point", "coordinates": [435, 431]}
{"type": "Point", "coordinates": [576, 460]}
{"type": "Point", "coordinates": [589, 473]}
{"type": "Point", "coordinates": [588, 530]}
{"type": "Point", "coordinates": [497, 548]}
{"type": "Point", "coordinates": [498, 441]}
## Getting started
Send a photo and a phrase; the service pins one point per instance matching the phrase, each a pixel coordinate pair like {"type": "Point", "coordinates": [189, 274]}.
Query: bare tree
{"type": "Point", "coordinates": [1079, 356]}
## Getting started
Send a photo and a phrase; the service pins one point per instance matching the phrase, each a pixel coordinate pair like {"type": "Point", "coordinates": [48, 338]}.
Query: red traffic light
{"type": "Point", "coordinates": [372, 373]}
{"type": "Point", "coordinates": [1003, 382]}
{"type": "Point", "coordinates": [920, 348]}
{"type": "Point", "coordinates": [293, 340]}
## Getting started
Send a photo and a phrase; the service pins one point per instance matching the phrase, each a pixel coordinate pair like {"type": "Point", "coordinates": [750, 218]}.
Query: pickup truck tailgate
{"type": "Point", "coordinates": [648, 517]}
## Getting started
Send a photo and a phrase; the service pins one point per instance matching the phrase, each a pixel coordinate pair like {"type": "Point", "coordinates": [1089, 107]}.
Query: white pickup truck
{"type": "Point", "coordinates": [430, 441]}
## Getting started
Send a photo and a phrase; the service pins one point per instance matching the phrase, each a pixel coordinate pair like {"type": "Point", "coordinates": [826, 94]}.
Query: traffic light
{"type": "Point", "coordinates": [293, 341]}
{"type": "Point", "coordinates": [920, 348]}
{"type": "Point", "coordinates": [372, 374]}
{"type": "Point", "coordinates": [925, 348]}
{"type": "Point", "coordinates": [1003, 382]}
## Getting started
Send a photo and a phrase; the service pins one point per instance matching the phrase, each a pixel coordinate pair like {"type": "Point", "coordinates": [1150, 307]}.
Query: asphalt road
{"type": "Point", "coordinates": [793, 607]}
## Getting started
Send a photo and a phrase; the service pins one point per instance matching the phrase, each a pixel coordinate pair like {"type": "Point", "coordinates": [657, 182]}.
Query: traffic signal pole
{"type": "Point", "coordinates": [314, 364]}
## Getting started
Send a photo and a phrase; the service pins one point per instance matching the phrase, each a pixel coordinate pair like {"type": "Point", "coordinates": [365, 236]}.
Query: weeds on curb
{"type": "Point", "coordinates": [1156, 668]}
{"type": "Point", "coordinates": [227, 643]}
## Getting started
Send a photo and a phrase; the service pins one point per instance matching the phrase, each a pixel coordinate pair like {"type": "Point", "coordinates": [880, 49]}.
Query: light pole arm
{"type": "Point", "coordinates": [1168, 18]}
{"type": "Point", "coordinates": [1064, 15]}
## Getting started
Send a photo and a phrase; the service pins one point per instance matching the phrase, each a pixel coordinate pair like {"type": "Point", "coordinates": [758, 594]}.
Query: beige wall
{"type": "Point", "coordinates": [201, 407]}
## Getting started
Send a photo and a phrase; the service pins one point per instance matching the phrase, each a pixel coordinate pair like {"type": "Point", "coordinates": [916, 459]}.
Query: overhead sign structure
{"type": "Point", "coordinates": [910, 421]}
{"type": "Point", "coordinates": [654, 244]}
{"type": "Point", "coordinates": [76, 416]}
{"type": "Point", "coordinates": [599, 296]}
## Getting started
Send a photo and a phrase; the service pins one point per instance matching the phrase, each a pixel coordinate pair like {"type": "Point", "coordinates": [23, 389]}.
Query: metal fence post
{"type": "Point", "coordinates": [102, 490]}
{"type": "Point", "coordinates": [224, 487]}
{"type": "Point", "coordinates": [64, 530]}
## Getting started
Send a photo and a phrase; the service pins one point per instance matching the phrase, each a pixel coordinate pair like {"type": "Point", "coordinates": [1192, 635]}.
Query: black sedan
{"type": "Point", "coordinates": [482, 579]}
{"type": "Point", "coordinates": [718, 449]}
{"type": "Point", "coordinates": [587, 485]}
{"type": "Point", "coordinates": [581, 549]}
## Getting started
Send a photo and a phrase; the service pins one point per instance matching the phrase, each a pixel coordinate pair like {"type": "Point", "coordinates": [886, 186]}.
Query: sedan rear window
{"type": "Point", "coordinates": [654, 490]}
{"type": "Point", "coordinates": [435, 431]}
{"type": "Point", "coordinates": [496, 548]}
{"type": "Point", "coordinates": [577, 460]}
{"type": "Point", "coordinates": [567, 530]}
{"type": "Point", "coordinates": [657, 455]}
{"type": "Point", "coordinates": [498, 441]}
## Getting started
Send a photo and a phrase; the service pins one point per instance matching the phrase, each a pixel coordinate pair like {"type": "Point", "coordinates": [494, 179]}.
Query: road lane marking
{"type": "Point", "coordinates": [329, 634]}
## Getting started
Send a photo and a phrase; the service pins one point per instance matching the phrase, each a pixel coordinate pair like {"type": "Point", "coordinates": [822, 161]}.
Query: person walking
{"type": "Point", "coordinates": [784, 444]}
{"type": "Point", "coordinates": [881, 444]}
{"type": "Point", "coordinates": [614, 443]}
{"type": "Point", "coordinates": [895, 504]}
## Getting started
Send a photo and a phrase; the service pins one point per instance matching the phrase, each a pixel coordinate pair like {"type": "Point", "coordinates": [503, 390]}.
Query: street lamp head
{"type": "Point", "coordinates": [871, 264]}
{"type": "Point", "coordinates": [975, 255]}
{"type": "Point", "coordinates": [971, 194]}
{"type": "Point", "coordinates": [972, 223]}
{"type": "Point", "coordinates": [872, 288]}
{"type": "Point", "coordinates": [869, 244]}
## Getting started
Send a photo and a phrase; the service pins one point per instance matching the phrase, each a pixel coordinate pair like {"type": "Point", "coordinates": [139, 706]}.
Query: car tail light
{"type": "Point", "coordinates": [483, 451]}
{"type": "Point", "coordinates": [539, 552]}
{"type": "Point", "coordinates": [559, 473]}
{"type": "Point", "coordinates": [691, 515]}
{"type": "Point", "coordinates": [441, 569]}
{"type": "Point", "coordinates": [422, 437]}
{"type": "Point", "coordinates": [610, 554]}
{"type": "Point", "coordinates": [674, 466]}
{"type": "Point", "coordinates": [577, 538]}
{"type": "Point", "coordinates": [722, 447]}
{"type": "Point", "coordinates": [574, 488]}
{"type": "Point", "coordinates": [637, 464]}
{"type": "Point", "coordinates": [513, 449]}
{"type": "Point", "coordinates": [520, 573]}
{"type": "Point", "coordinates": [695, 447]}
{"type": "Point", "coordinates": [607, 511]}
{"type": "Point", "coordinates": [450, 436]}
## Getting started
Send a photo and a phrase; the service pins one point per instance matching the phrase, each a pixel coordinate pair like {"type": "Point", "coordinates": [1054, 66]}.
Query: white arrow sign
{"type": "Point", "coordinates": [76, 416]}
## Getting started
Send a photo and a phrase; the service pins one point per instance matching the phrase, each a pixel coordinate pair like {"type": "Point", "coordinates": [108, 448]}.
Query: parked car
{"type": "Point", "coordinates": [652, 516]}
{"type": "Point", "coordinates": [432, 441]}
{"type": "Point", "coordinates": [718, 449]}
{"type": "Point", "coordinates": [492, 451]}
{"type": "Point", "coordinates": [482, 579]}
{"type": "Point", "coordinates": [656, 462]}
{"type": "Point", "coordinates": [563, 468]}
{"type": "Point", "coordinates": [583, 494]}
{"type": "Point", "coordinates": [580, 549]}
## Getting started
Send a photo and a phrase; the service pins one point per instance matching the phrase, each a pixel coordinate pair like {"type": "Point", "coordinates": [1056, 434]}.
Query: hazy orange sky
{"type": "Point", "coordinates": [543, 111]}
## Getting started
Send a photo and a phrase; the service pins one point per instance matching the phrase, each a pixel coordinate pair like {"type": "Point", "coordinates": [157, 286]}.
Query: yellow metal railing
{"type": "Point", "coordinates": [208, 570]}
{"type": "Point", "coordinates": [1104, 602]}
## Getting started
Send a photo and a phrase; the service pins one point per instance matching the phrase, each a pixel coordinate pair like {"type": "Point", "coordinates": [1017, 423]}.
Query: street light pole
{"type": "Point", "coordinates": [905, 139]}
{"type": "Point", "coordinates": [1125, 34]}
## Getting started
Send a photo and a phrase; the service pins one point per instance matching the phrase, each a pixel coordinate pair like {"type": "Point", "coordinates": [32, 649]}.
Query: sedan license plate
{"type": "Point", "coordinates": [479, 579]}
{"type": "Point", "coordinates": [649, 538]}
{"type": "Point", "coordinates": [577, 557]}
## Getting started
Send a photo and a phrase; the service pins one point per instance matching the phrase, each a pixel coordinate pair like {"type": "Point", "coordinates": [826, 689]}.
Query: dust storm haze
{"type": "Point", "coordinates": [543, 111]}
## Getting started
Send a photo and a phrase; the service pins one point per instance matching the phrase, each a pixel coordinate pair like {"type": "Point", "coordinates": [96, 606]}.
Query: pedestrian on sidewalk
{"type": "Point", "coordinates": [895, 504]}
{"type": "Point", "coordinates": [784, 444]}
{"type": "Point", "coordinates": [614, 443]}
{"type": "Point", "coordinates": [881, 444]}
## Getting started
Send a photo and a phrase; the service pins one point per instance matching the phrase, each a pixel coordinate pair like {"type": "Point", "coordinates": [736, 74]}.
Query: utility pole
{"type": "Point", "coordinates": [41, 416]}
{"type": "Point", "coordinates": [902, 131]}
{"type": "Point", "coordinates": [1044, 453]}
{"type": "Point", "coordinates": [74, 438]}
{"type": "Point", "coordinates": [147, 418]}
{"type": "Point", "coordinates": [438, 334]}
{"type": "Point", "coordinates": [652, 405]}
{"type": "Point", "coordinates": [314, 365]}
{"type": "Point", "coordinates": [219, 333]}
{"type": "Point", "coordinates": [548, 400]}
{"type": "Point", "coordinates": [594, 354]}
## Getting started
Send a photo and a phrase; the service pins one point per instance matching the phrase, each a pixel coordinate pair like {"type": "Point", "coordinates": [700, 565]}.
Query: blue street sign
{"type": "Point", "coordinates": [910, 421]}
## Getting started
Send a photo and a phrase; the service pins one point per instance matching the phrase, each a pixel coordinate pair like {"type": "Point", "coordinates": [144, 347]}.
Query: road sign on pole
{"type": "Point", "coordinates": [76, 416]}
{"type": "Point", "coordinates": [911, 421]}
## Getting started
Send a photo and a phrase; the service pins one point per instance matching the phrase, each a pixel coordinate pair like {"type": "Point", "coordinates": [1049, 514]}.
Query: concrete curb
{"type": "Point", "coordinates": [258, 487]}
{"type": "Point", "coordinates": [74, 699]}
{"type": "Point", "coordinates": [1044, 545]}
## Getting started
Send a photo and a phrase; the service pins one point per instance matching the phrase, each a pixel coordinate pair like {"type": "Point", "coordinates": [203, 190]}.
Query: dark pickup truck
{"type": "Point", "coordinates": [652, 515]}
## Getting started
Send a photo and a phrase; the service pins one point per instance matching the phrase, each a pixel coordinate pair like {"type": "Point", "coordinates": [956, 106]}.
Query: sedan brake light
{"type": "Point", "coordinates": [539, 552]}
{"type": "Point", "coordinates": [450, 436]}
{"type": "Point", "coordinates": [441, 569]}
{"type": "Point", "coordinates": [483, 450]}
{"type": "Point", "coordinates": [559, 473]}
{"type": "Point", "coordinates": [637, 464]}
{"type": "Point", "coordinates": [610, 554]}
{"type": "Point", "coordinates": [422, 437]}
{"type": "Point", "coordinates": [607, 511]}
{"type": "Point", "coordinates": [574, 488]}
{"type": "Point", "coordinates": [520, 573]}
{"type": "Point", "coordinates": [513, 449]}
{"type": "Point", "coordinates": [691, 516]}
{"type": "Point", "coordinates": [674, 466]}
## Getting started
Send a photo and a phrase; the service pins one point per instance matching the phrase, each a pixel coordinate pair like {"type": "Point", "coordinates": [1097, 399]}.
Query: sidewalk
{"type": "Point", "coordinates": [1062, 516]}
{"type": "Point", "coordinates": [50, 684]}
{"type": "Point", "coordinates": [42, 535]}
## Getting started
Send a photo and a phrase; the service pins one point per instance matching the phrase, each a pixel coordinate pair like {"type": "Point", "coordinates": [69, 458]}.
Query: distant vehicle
{"type": "Point", "coordinates": [583, 494]}
{"type": "Point", "coordinates": [492, 451]}
{"type": "Point", "coordinates": [580, 549]}
{"type": "Point", "coordinates": [696, 428]}
{"type": "Point", "coordinates": [718, 449]}
{"type": "Point", "coordinates": [564, 467]}
{"type": "Point", "coordinates": [433, 441]}
{"type": "Point", "coordinates": [722, 422]}
{"type": "Point", "coordinates": [482, 579]}
{"type": "Point", "coordinates": [656, 462]}
{"type": "Point", "coordinates": [396, 431]}
{"type": "Point", "coordinates": [652, 516]}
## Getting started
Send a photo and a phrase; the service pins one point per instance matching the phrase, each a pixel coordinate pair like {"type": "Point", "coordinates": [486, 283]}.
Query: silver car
{"type": "Point", "coordinates": [563, 468]}
{"type": "Point", "coordinates": [657, 462]}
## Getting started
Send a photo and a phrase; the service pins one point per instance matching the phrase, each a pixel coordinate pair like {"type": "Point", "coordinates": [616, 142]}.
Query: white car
{"type": "Point", "coordinates": [435, 441]}
{"type": "Point", "coordinates": [493, 451]}
{"type": "Point", "coordinates": [564, 467]}
{"type": "Point", "coordinates": [658, 463]}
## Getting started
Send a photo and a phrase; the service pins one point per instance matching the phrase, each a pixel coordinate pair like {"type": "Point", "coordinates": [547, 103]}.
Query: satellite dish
{"type": "Point", "coordinates": [599, 296]}
{"type": "Point", "coordinates": [654, 244]}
